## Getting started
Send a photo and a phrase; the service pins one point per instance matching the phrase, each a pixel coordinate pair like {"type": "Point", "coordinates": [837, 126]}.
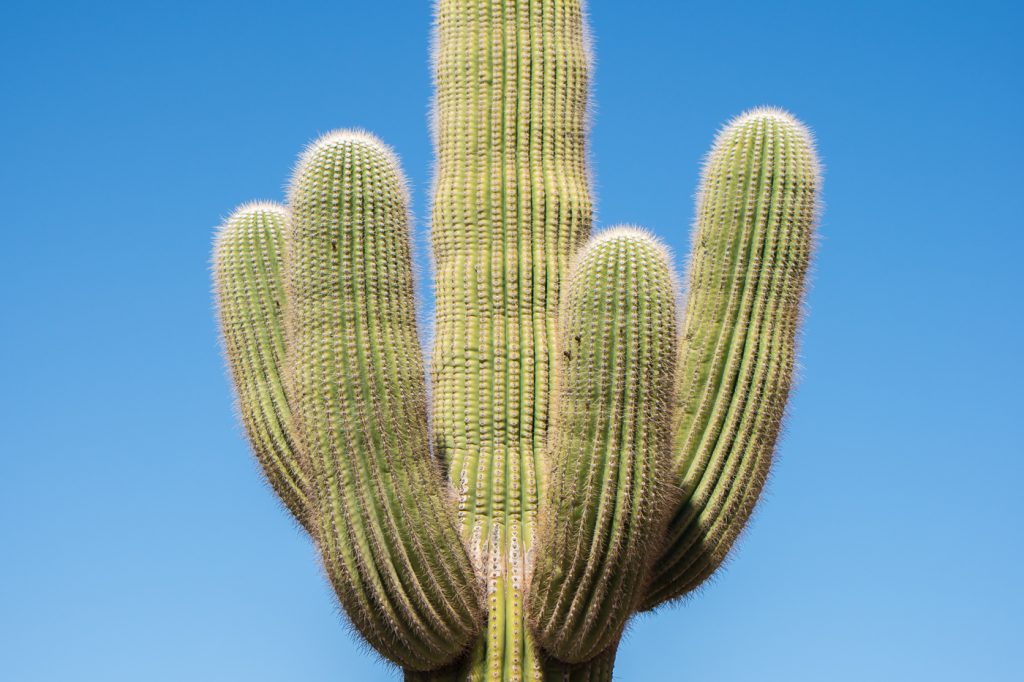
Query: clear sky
{"type": "Point", "coordinates": [136, 539]}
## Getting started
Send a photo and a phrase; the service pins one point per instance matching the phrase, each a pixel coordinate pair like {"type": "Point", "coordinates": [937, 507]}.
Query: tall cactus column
{"type": "Point", "coordinates": [511, 205]}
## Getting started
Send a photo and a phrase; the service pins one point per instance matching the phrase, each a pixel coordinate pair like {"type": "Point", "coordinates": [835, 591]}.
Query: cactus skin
{"type": "Point", "coordinates": [585, 459]}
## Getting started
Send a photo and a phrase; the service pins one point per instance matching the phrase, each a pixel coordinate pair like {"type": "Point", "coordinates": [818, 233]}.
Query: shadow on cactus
{"type": "Point", "coordinates": [590, 453]}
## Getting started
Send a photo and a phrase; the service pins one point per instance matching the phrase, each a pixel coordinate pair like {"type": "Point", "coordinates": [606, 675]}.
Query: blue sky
{"type": "Point", "coordinates": [137, 541]}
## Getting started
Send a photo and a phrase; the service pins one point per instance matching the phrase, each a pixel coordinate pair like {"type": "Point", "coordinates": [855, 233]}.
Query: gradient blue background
{"type": "Point", "coordinates": [136, 539]}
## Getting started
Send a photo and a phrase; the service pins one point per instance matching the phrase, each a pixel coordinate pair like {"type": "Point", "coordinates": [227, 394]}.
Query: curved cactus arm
{"type": "Point", "coordinates": [751, 251]}
{"type": "Point", "coordinates": [385, 518]}
{"type": "Point", "coordinates": [605, 506]}
{"type": "Point", "coordinates": [250, 304]}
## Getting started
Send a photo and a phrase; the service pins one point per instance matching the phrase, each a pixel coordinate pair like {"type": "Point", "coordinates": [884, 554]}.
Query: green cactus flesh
{"type": "Point", "coordinates": [583, 459]}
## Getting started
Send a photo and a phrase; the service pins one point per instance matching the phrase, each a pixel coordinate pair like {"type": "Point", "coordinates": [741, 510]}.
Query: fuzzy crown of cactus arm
{"type": "Point", "coordinates": [590, 452]}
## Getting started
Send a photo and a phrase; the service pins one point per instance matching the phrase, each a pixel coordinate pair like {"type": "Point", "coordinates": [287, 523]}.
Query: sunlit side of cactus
{"type": "Point", "coordinates": [591, 452]}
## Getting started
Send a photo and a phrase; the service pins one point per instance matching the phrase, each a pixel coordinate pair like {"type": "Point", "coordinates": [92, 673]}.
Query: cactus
{"type": "Point", "coordinates": [590, 452]}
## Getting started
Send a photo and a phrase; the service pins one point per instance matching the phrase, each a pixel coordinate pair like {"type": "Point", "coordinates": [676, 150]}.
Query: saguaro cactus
{"type": "Point", "coordinates": [586, 458]}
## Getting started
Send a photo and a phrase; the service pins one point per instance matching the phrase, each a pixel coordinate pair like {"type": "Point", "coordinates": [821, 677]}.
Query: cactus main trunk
{"type": "Point", "coordinates": [511, 205]}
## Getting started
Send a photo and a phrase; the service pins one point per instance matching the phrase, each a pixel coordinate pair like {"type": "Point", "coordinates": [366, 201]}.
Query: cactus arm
{"type": "Point", "coordinates": [751, 252]}
{"type": "Point", "coordinates": [385, 520]}
{"type": "Point", "coordinates": [250, 299]}
{"type": "Point", "coordinates": [608, 489]}
{"type": "Point", "coordinates": [511, 205]}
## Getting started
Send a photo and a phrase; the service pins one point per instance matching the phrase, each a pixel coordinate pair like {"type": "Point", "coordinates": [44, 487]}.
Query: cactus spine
{"type": "Point", "coordinates": [585, 458]}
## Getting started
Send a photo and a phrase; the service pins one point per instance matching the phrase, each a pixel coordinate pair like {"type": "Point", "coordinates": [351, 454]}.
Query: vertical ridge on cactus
{"type": "Point", "coordinates": [584, 457]}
